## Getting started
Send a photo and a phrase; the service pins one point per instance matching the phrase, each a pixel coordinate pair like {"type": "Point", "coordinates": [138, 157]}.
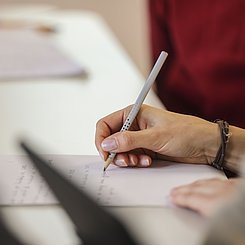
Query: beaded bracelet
{"type": "Point", "coordinates": [225, 135]}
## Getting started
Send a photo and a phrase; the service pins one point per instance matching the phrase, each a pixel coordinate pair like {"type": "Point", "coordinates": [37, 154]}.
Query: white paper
{"type": "Point", "coordinates": [30, 54]}
{"type": "Point", "coordinates": [21, 184]}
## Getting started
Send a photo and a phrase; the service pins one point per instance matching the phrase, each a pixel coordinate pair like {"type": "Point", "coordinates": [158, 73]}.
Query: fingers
{"type": "Point", "coordinates": [109, 139]}
{"type": "Point", "coordinates": [132, 160]}
{"type": "Point", "coordinates": [126, 142]}
{"type": "Point", "coordinates": [195, 201]}
{"type": "Point", "coordinates": [107, 126]}
{"type": "Point", "coordinates": [203, 196]}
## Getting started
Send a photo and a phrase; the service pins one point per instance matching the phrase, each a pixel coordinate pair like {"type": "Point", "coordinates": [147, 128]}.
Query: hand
{"type": "Point", "coordinates": [156, 133]}
{"type": "Point", "coordinates": [205, 196]}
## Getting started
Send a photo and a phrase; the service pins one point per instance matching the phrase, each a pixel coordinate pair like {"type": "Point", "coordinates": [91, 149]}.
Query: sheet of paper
{"type": "Point", "coordinates": [30, 54]}
{"type": "Point", "coordinates": [21, 184]}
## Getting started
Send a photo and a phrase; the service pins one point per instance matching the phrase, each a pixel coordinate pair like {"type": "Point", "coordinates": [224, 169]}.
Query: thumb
{"type": "Point", "coordinates": [130, 140]}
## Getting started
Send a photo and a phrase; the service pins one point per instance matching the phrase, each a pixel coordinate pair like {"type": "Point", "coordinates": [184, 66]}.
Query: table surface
{"type": "Point", "coordinates": [60, 114]}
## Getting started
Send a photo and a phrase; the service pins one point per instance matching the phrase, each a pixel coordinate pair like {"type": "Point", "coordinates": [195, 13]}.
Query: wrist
{"type": "Point", "coordinates": [234, 150]}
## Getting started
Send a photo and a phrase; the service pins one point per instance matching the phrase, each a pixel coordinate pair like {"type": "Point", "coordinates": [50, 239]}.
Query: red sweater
{"type": "Point", "coordinates": [205, 71]}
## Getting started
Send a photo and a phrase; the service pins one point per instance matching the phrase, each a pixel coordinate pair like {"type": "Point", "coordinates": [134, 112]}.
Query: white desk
{"type": "Point", "coordinates": [61, 115]}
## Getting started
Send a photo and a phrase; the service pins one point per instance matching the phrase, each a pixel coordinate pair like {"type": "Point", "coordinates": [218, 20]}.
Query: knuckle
{"type": "Point", "coordinates": [99, 123]}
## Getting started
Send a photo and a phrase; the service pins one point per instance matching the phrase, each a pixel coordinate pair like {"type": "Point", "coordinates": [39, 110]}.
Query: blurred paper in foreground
{"type": "Point", "coordinates": [29, 54]}
{"type": "Point", "coordinates": [21, 184]}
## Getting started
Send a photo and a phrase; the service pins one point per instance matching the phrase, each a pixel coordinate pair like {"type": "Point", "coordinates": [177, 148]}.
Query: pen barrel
{"type": "Point", "coordinates": [131, 116]}
{"type": "Point", "coordinates": [152, 77]}
{"type": "Point", "coordinates": [147, 86]}
{"type": "Point", "coordinates": [139, 101]}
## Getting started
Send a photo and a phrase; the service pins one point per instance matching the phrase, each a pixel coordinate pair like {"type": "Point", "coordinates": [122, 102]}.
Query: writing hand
{"type": "Point", "coordinates": [156, 133]}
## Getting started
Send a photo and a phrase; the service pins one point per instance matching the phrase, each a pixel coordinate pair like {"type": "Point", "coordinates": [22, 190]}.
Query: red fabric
{"type": "Point", "coordinates": [205, 70]}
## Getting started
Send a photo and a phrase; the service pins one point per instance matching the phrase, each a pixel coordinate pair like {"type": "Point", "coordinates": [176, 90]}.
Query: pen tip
{"type": "Point", "coordinates": [104, 169]}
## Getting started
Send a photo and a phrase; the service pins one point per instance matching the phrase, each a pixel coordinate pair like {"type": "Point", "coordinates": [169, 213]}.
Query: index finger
{"type": "Point", "coordinates": [107, 126]}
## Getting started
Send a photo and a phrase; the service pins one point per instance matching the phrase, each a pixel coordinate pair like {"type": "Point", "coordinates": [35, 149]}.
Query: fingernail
{"type": "Point", "coordinates": [145, 163]}
{"type": "Point", "coordinates": [109, 145]}
{"type": "Point", "coordinates": [121, 163]}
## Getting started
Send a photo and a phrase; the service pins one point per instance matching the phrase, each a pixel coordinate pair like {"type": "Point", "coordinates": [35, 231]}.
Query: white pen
{"type": "Point", "coordinates": [139, 101]}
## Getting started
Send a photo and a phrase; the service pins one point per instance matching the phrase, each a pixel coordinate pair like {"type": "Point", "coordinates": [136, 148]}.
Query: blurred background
{"type": "Point", "coordinates": [128, 20]}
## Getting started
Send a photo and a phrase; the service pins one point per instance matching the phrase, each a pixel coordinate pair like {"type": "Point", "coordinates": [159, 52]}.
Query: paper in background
{"type": "Point", "coordinates": [31, 54]}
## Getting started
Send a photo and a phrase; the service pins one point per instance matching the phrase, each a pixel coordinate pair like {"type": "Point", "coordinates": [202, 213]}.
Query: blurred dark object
{"type": "Point", "coordinates": [94, 225]}
{"type": "Point", "coordinates": [6, 237]}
